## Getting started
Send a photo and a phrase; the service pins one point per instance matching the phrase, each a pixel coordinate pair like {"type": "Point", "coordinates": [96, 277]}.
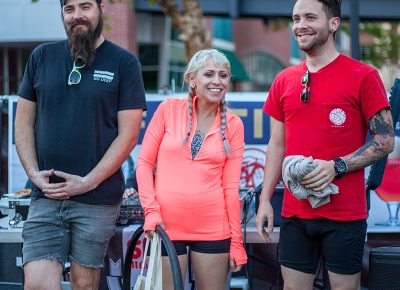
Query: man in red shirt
{"type": "Point", "coordinates": [324, 108]}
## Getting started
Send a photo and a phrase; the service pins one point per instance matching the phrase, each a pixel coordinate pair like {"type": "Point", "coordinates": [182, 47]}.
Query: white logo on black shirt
{"type": "Point", "coordinates": [103, 76]}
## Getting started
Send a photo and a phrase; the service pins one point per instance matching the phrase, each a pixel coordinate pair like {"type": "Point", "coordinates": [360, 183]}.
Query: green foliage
{"type": "Point", "coordinates": [385, 47]}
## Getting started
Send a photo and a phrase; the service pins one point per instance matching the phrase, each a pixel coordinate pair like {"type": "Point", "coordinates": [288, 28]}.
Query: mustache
{"type": "Point", "coordinates": [305, 30]}
{"type": "Point", "coordinates": [77, 22]}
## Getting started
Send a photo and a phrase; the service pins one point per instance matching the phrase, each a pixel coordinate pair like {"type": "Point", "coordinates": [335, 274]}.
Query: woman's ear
{"type": "Point", "coordinates": [191, 81]}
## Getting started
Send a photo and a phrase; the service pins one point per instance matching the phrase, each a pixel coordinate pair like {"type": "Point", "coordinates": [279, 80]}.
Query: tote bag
{"type": "Point", "coordinates": [153, 278]}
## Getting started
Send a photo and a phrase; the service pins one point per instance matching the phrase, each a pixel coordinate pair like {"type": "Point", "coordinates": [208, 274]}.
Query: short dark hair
{"type": "Point", "coordinates": [332, 7]}
{"type": "Point", "coordinates": [62, 2]}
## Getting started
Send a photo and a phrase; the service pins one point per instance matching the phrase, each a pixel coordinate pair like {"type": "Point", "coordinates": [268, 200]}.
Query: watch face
{"type": "Point", "coordinates": [340, 166]}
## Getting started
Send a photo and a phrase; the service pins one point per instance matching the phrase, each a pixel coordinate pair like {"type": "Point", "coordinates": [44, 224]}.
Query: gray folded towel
{"type": "Point", "coordinates": [294, 168]}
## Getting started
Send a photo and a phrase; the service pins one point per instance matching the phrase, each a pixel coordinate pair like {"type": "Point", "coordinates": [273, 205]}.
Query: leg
{"type": "Point", "coordinates": [343, 247]}
{"type": "Point", "coordinates": [46, 244]}
{"type": "Point", "coordinates": [168, 283]}
{"type": "Point", "coordinates": [295, 280]}
{"type": "Point", "coordinates": [345, 282]}
{"type": "Point", "coordinates": [36, 280]}
{"type": "Point", "coordinates": [92, 227]}
{"type": "Point", "coordinates": [210, 270]}
{"type": "Point", "coordinates": [84, 278]}
{"type": "Point", "coordinates": [299, 252]}
{"type": "Point", "coordinates": [181, 251]}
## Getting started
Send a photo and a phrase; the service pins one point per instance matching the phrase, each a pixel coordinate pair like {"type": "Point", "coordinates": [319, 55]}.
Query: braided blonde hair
{"type": "Point", "coordinates": [198, 60]}
{"type": "Point", "coordinates": [222, 112]}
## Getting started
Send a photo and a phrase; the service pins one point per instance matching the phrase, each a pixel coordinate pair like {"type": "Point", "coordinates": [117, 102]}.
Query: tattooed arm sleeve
{"type": "Point", "coordinates": [381, 143]}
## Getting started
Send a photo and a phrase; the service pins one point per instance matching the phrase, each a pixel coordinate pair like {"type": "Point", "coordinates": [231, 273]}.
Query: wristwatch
{"type": "Point", "coordinates": [340, 166]}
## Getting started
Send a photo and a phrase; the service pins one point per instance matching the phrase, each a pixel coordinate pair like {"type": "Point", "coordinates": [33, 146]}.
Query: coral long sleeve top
{"type": "Point", "coordinates": [196, 198]}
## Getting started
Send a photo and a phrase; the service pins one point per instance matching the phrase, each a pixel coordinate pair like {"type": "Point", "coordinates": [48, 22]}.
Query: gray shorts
{"type": "Point", "coordinates": [59, 229]}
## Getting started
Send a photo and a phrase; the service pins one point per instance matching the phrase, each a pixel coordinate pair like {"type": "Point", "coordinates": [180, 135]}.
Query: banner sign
{"type": "Point", "coordinates": [257, 133]}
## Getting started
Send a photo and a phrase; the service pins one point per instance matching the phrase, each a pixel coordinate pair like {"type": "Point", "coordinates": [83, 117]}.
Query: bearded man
{"type": "Point", "coordinates": [323, 108]}
{"type": "Point", "coordinates": [78, 118]}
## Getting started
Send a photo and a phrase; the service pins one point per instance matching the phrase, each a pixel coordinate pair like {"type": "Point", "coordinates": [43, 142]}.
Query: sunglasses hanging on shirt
{"type": "Point", "coordinates": [305, 82]}
{"type": "Point", "coordinates": [75, 76]}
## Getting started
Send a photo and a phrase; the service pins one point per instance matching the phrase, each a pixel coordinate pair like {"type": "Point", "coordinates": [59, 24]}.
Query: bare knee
{"type": "Point", "coordinates": [34, 284]}
{"type": "Point", "coordinates": [210, 270]}
{"type": "Point", "coordinates": [83, 283]}
{"type": "Point", "coordinates": [295, 280]}
{"type": "Point", "coordinates": [292, 285]}
{"type": "Point", "coordinates": [344, 282]}
{"type": "Point", "coordinates": [34, 278]}
{"type": "Point", "coordinates": [84, 278]}
{"type": "Point", "coordinates": [168, 281]}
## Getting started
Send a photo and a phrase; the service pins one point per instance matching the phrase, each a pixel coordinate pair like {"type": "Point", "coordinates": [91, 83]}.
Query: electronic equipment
{"type": "Point", "coordinates": [384, 268]}
{"type": "Point", "coordinates": [131, 212]}
{"type": "Point", "coordinates": [18, 211]}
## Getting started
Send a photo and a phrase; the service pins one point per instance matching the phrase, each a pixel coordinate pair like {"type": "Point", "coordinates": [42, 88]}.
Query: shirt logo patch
{"type": "Point", "coordinates": [337, 117]}
{"type": "Point", "coordinates": [103, 76]}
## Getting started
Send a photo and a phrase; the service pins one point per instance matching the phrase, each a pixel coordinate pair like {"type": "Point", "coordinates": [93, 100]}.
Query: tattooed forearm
{"type": "Point", "coordinates": [382, 142]}
{"type": "Point", "coordinates": [381, 123]}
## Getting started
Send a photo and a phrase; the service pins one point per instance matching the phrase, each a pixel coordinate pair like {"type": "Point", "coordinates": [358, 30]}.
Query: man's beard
{"type": "Point", "coordinates": [316, 43]}
{"type": "Point", "coordinates": [82, 43]}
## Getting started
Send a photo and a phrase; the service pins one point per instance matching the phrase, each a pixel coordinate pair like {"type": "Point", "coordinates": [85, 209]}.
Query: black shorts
{"type": "Point", "coordinates": [341, 243]}
{"type": "Point", "coordinates": [206, 247]}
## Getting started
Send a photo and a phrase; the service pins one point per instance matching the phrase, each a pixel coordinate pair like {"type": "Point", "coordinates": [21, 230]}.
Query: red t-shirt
{"type": "Point", "coordinates": [344, 95]}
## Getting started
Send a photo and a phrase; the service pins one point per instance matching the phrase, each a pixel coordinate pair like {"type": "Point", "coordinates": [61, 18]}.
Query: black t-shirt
{"type": "Point", "coordinates": [76, 124]}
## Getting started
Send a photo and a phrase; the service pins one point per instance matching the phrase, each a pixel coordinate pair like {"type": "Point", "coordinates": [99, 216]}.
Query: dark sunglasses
{"type": "Point", "coordinates": [305, 82]}
{"type": "Point", "coordinates": [75, 76]}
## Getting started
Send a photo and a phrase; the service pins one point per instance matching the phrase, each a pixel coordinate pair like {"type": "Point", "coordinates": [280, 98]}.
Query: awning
{"type": "Point", "coordinates": [237, 69]}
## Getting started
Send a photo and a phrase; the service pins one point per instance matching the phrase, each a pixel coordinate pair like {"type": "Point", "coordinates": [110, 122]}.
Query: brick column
{"type": "Point", "coordinates": [120, 24]}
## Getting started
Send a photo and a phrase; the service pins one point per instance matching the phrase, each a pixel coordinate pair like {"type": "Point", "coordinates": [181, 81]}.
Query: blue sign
{"type": "Point", "coordinates": [256, 123]}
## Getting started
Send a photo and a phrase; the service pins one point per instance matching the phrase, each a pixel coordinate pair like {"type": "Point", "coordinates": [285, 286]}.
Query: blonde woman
{"type": "Point", "coordinates": [198, 146]}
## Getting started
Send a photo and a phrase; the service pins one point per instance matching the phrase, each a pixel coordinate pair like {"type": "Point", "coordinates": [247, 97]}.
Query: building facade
{"type": "Point", "coordinates": [258, 48]}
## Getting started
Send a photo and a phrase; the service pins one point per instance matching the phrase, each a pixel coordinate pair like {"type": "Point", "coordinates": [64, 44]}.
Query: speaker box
{"type": "Point", "coordinates": [384, 268]}
{"type": "Point", "coordinates": [10, 265]}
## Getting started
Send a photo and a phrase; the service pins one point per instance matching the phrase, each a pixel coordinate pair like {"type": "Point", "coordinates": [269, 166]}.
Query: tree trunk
{"type": "Point", "coordinates": [190, 24]}
{"type": "Point", "coordinates": [394, 41]}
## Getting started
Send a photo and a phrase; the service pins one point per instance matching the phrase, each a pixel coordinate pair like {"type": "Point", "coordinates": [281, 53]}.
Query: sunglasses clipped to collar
{"type": "Point", "coordinates": [75, 76]}
{"type": "Point", "coordinates": [305, 82]}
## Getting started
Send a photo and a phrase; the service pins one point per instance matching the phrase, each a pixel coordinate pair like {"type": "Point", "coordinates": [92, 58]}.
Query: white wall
{"type": "Point", "coordinates": [24, 21]}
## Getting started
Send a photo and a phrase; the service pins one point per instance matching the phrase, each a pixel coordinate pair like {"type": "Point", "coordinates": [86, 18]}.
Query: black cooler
{"type": "Point", "coordinates": [384, 268]}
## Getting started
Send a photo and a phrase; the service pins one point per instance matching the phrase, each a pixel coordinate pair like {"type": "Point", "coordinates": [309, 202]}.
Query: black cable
{"type": "Point", "coordinates": [126, 275]}
{"type": "Point", "coordinates": [1, 146]}
{"type": "Point", "coordinates": [173, 258]}
{"type": "Point", "coordinates": [278, 267]}
{"type": "Point", "coordinates": [191, 280]}
{"type": "Point", "coordinates": [245, 211]}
